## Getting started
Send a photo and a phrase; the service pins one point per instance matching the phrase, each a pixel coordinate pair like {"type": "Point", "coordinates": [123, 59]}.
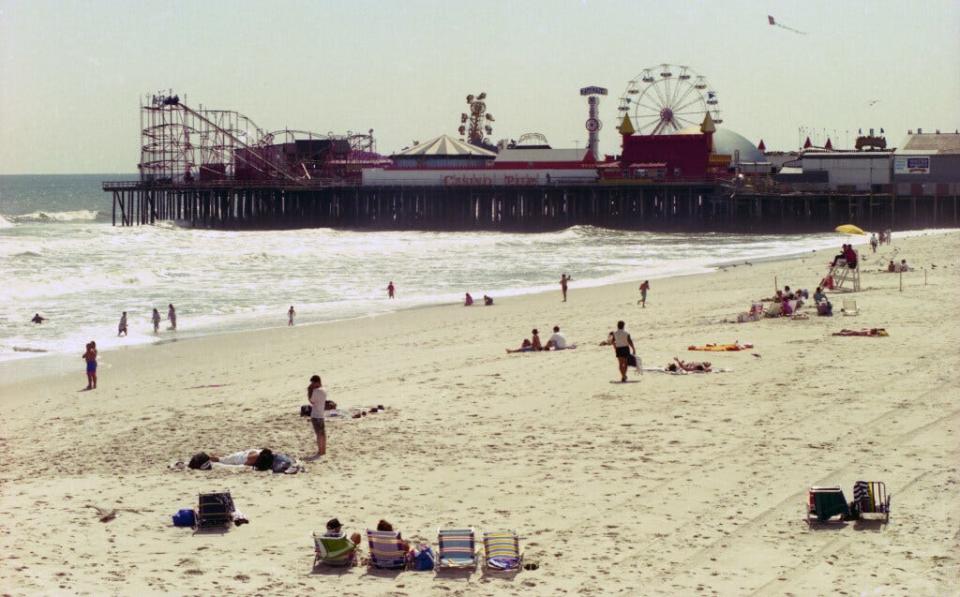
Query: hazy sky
{"type": "Point", "coordinates": [71, 73]}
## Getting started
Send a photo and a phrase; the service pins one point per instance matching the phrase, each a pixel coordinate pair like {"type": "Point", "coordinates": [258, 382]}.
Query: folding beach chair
{"type": "Point", "coordinates": [215, 510]}
{"type": "Point", "coordinates": [458, 548]}
{"type": "Point", "coordinates": [871, 497]}
{"type": "Point", "coordinates": [333, 551]}
{"type": "Point", "coordinates": [502, 551]}
{"type": "Point", "coordinates": [850, 307]}
{"type": "Point", "coordinates": [386, 550]}
{"type": "Point", "coordinates": [824, 503]}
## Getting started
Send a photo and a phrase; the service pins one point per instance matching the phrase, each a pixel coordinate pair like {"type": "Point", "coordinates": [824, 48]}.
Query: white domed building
{"type": "Point", "coordinates": [729, 143]}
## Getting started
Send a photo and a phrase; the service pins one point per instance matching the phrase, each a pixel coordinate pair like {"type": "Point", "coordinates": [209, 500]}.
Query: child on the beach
{"type": "Point", "coordinates": [90, 356]}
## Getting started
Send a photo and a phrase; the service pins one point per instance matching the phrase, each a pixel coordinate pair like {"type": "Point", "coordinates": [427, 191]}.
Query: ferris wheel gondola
{"type": "Point", "coordinates": [660, 102]}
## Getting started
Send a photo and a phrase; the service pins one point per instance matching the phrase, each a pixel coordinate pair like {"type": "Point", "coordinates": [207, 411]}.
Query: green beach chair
{"type": "Point", "coordinates": [502, 551]}
{"type": "Point", "coordinates": [457, 548]}
{"type": "Point", "coordinates": [333, 551]}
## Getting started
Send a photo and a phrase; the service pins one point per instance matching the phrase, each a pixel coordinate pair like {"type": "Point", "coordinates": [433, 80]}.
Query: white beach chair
{"type": "Point", "coordinates": [850, 307]}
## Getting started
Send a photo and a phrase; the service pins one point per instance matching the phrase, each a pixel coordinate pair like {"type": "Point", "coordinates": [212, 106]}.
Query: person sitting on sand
{"type": "Point", "coordinates": [557, 341]}
{"type": "Point", "coordinates": [892, 267]}
{"type": "Point", "coordinates": [533, 344]}
{"type": "Point", "coordinates": [786, 308]}
{"type": "Point", "coordinates": [38, 319]}
{"type": "Point", "coordinates": [903, 265]}
{"type": "Point", "coordinates": [386, 527]}
{"type": "Point", "coordinates": [334, 529]}
{"type": "Point", "coordinates": [487, 301]}
{"type": "Point", "coordinates": [468, 300]}
{"type": "Point", "coordinates": [819, 295]}
{"type": "Point", "coordinates": [700, 366]}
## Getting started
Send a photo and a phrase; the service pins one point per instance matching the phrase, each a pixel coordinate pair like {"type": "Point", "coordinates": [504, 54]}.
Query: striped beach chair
{"type": "Point", "coordinates": [871, 497]}
{"type": "Point", "coordinates": [333, 551]}
{"type": "Point", "coordinates": [386, 550]}
{"type": "Point", "coordinates": [502, 551]}
{"type": "Point", "coordinates": [458, 548]}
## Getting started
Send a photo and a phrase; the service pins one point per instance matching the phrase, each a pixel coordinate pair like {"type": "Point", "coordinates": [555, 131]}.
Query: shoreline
{"type": "Point", "coordinates": [27, 365]}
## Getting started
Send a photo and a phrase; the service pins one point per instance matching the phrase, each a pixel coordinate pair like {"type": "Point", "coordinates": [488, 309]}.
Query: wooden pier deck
{"type": "Point", "coordinates": [678, 207]}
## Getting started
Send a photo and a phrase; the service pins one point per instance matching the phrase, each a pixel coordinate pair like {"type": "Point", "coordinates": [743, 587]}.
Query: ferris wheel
{"type": "Point", "coordinates": [664, 99]}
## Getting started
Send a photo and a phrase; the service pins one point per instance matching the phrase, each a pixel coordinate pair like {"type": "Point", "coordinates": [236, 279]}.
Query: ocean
{"type": "Point", "coordinates": [60, 257]}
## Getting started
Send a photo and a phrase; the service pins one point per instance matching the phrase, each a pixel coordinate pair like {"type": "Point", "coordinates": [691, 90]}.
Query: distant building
{"type": "Point", "coordinates": [928, 164]}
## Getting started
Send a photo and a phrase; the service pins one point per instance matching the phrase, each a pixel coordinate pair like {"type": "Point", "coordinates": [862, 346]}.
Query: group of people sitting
{"type": "Point", "coordinates": [335, 530]}
{"type": "Point", "coordinates": [468, 300]}
{"type": "Point", "coordinates": [848, 255]}
{"type": "Point", "coordinates": [898, 267]}
{"type": "Point", "coordinates": [557, 341]}
{"type": "Point", "coordinates": [261, 460]}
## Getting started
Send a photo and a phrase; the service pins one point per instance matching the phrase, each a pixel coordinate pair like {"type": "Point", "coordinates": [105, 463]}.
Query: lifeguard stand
{"type": "Point", "coordinates": [841, 274]}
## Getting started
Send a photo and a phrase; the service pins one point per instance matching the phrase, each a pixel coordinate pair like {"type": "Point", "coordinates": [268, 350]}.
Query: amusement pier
{"type": "Point", "coordinates": [678, 169]}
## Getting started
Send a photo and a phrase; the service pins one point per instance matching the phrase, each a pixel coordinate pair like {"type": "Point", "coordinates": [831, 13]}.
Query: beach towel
{"type": "Point", "coordinates": [736, 346]}
{"type": "Point", "coordinates": [872, 332]}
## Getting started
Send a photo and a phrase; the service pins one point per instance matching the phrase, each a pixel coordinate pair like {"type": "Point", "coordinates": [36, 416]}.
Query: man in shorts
{"type": "Point", "coordinates": [317, 397]}
{"type": "Point", "coordinates": [623, 347]}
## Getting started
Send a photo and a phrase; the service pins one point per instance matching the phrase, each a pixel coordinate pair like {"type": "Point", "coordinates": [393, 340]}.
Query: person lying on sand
{"type": "Point", "coordinates": [259, 459]}
{"type": "Point", "coordinates": [698, 366]}
{"type": "Point", "coordinates": [863, 332]}
{"type": "Point", "coordinates": [529, 345]}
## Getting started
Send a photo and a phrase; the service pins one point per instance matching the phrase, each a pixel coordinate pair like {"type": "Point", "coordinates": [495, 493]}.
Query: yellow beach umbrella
{"type": "Point", "coordinates": [849, 229]}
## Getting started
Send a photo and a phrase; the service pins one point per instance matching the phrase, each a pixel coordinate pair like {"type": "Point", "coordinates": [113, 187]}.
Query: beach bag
{"type": "Point", "coordinates": [281, 462]}
{"type": "Point", "coordinates": [824, 308]}
{"type": "Point", "coordinates": [306, 410]}
{"type": "Point", "coordinates": [184, 518]}
{"type": "Point", "coordinates": [631, 360]}
{"type": "Point", "coordinates": [423, 558]}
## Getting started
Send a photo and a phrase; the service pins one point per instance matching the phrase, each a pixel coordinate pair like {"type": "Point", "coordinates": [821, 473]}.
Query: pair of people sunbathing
{"type": "Point", "coordinates": [689, 366]}
{"type": "Point", "coordinates": [557, 341]}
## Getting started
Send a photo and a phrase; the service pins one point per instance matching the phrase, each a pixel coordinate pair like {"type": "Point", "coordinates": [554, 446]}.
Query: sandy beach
{"type": "Point", "coordinates": [667, 485]}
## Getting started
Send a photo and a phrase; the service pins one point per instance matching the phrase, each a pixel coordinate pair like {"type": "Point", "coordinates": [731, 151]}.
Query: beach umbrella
{"type": "Point", "coordinates": [849, 229]}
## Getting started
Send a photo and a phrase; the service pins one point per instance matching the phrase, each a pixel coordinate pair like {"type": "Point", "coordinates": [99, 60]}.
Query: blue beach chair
{"type": "Point", "coordinates": [457, 547]}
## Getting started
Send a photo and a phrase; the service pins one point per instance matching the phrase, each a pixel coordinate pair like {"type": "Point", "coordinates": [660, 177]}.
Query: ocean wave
{"type": "Point", "coordinates": [26, 254]}
{"type": "Point", "coordinates": [5, 223]}
{"type": "Point", "coordinates": [80, 215]}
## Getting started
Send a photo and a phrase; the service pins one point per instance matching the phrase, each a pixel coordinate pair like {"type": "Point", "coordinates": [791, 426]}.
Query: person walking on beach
{"type": "Point", "coordinates": [90, 356]}
{"type": "Point", "coordinates": [290, 315]}
{"type": "Point", "coordinates": [390, 290]}
{"type": "Point", "coordinates": [172, 316]}
{"type": "Point", "coordinates": [317, 397]}
{"type": "Point", "coordinates": [873, 241]}
{"type": "Point", "coordinates": [643, 293]}
{"type": "Point", "coordinates": [564, 279]}
{"type": "Point", "coordinates": [623, 348]}
{"type": "Point", "coordinates": [122, 326]}
{"type": "Point", "coordinates": [156, 321]}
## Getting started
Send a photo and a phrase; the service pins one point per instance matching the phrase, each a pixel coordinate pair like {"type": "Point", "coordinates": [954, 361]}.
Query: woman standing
{"type": "Point", "coordinates": [318, 402]}
{"type": "Point", "coordinates": [90, 356]}
{"type": "Point", "coordinates": [156, 321]}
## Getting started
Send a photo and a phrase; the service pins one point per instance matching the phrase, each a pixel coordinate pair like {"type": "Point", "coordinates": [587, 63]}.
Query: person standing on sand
{"type": "Point", "coordinates": [122, 326]}
{"type": "Point", "coordinates": [290, 315]}
{"type": "Point", "coordinates": [643, 293]}
{"type": "Point", "coordinates": [172, 316]}
{"type": "Point", "coordinates": [90, 356]}
{"type": "Point", "coordinates": [873, 241]}
{"type": "Point", "coordinates": [564, 279]}
{"type": "Point", "coordinates": [623, 347]}
{"type": "Point", "coordinates": [156, 321]}
{"type": "Point", "coordinates": [390, 289]}
{"type": "Point", "coordinates": [317, 397]}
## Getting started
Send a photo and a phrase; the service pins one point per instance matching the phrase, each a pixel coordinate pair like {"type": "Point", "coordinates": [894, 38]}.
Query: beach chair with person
{"type": "Point", "coordinates": [501, 551]}
{"type": "Point", "coordinates": [338, 551]}
{"type": "Point", "coordinates": [841, 274]}
{"type": "Point", "coordinates": [458, 548]}
{"type": "Point", "coordinates": [387, 550]}
{"type": "Point", "coordinates": [871, 497]}
{"type": "Point", "coordinates": [214, 511]}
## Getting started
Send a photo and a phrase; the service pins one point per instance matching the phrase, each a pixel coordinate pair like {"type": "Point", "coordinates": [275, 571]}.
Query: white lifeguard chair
{"type": "Point", "coordinates": [841, 276]}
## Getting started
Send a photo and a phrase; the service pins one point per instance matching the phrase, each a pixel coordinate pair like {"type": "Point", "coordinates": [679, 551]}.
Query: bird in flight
{"type": "Point", "coordinates": [773, 23]}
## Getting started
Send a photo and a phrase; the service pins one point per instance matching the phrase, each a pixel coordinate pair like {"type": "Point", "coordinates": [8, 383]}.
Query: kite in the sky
{"type": "Point", "coordinates": [774, 23]}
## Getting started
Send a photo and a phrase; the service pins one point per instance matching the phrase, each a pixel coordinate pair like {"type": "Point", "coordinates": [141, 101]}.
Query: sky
{"type": "Point", "coordinates": [72, 73]}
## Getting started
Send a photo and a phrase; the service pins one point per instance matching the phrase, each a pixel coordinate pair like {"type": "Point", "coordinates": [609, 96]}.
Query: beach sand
{"type": "Point", "coordinates": [667, 485]}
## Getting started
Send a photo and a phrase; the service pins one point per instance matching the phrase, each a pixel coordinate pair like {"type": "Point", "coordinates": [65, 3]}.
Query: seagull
{"type": "Point", "coordinates": [872, 102]}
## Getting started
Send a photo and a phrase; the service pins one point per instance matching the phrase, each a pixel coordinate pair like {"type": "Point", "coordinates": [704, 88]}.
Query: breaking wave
{"type": "Point", "coordinates": [82, 215]}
